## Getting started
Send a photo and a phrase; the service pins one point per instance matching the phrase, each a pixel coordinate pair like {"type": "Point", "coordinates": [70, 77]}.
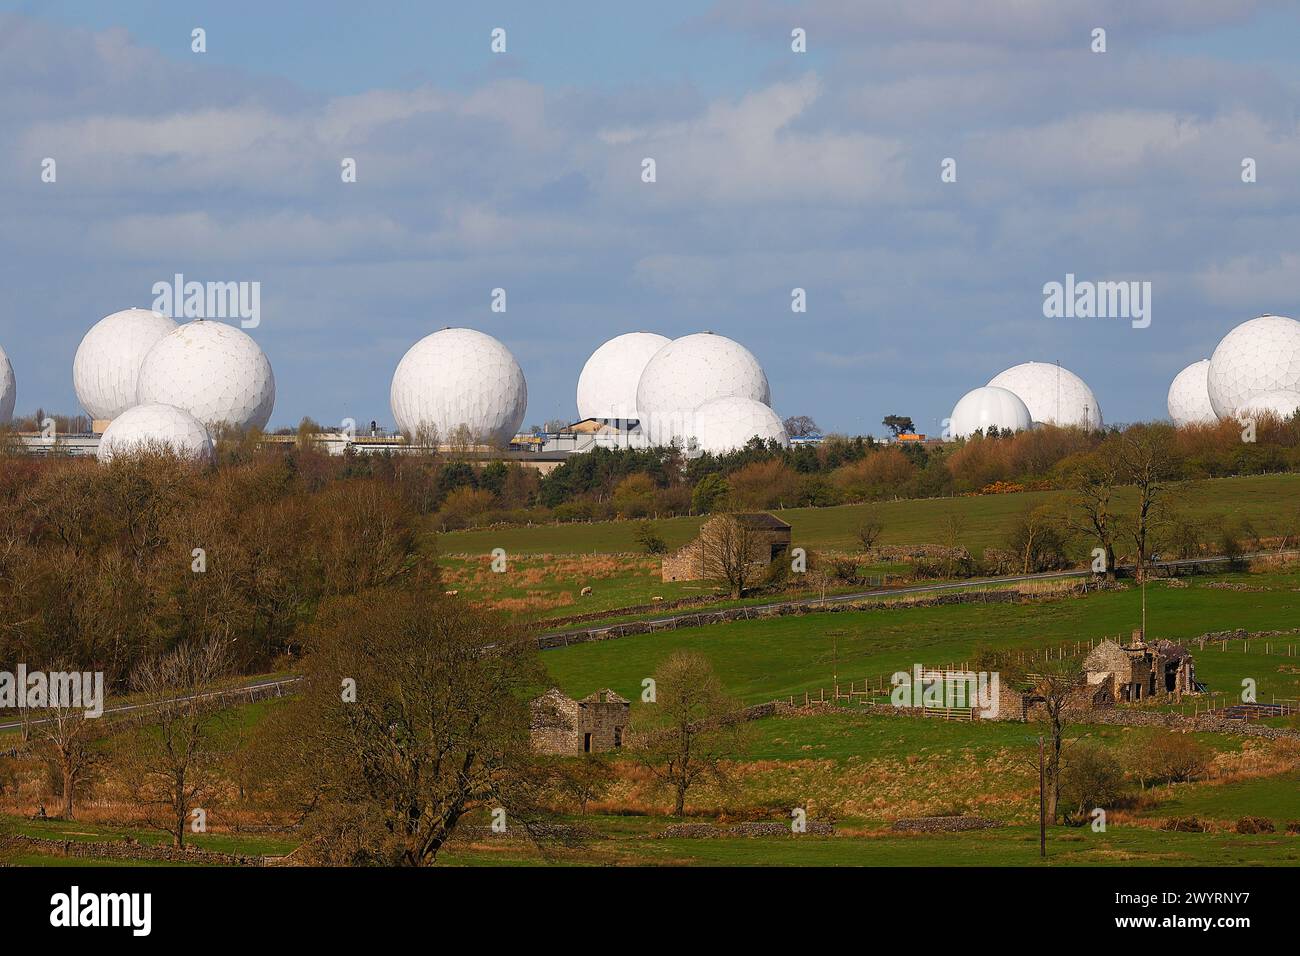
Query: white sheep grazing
{"type": "Point", "coordinates": [585, 592]}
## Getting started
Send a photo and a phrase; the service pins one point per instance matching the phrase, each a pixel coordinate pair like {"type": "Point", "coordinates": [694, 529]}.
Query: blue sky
{"type": "Point", "coordinates": [775, 170]}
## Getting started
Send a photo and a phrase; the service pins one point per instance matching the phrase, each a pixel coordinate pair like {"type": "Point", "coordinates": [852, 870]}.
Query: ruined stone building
{"type": "Point", "coordinates": [768, 536]}
{"type": "Point", "coordinates": [1140, 670]}
{"type": "Point", "coordinates": [561, 725]}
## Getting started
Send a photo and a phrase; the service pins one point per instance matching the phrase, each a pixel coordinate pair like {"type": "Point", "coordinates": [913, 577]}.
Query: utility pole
{"type": "Point", "coordinates": [1042, 802]}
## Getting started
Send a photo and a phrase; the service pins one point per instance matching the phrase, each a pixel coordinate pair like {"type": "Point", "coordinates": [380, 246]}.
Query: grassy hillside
{"type": "Point", "coordinates": [986, 518]}
{"type": "Point", "coordinates": [762, 659]}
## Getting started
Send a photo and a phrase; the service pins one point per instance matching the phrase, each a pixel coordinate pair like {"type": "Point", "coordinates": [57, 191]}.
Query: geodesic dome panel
{"type": "Point", "coordinates": [1281, 403]}
{"type": "Point", "coordinates": [1262, 355]}
{"type": "Point", "coordinates": [459, 380]}
{"type": "Point", "coordinates": [106, 370]}
{"type": "Point", "coordinates": [690, 371]}
{"type": "Point", "coordinates": [1189, 396]}
{"type": "Point", "coordinates": [608, 383]}
{"type": "Point", "coordinates": [985, 408]}
{"type": "Point", "coordinates": [8, 388]}
{"type": "Point", "coordinates": [726, 424]}
{"type": "Point", "coordinates": [1053, 395]}
{"type": "Point", "coordinates": [212, 370]}
{"type": "Point", "coordinates": [155, 426]}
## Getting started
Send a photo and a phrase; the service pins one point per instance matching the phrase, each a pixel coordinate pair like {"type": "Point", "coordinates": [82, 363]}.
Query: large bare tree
{"type": "Point", "coordinates": [690, 728]}
{"type": "Point", "coordinates": [414, 715]}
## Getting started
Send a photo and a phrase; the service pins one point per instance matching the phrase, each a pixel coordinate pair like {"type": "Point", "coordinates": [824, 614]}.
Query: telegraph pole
{"type": "Point", "coordinates": [1042, 803]}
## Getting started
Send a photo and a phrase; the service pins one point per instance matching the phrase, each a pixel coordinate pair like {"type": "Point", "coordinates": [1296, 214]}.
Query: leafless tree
{"type": "Point", "coordinates": [65, 734]}
{"type": "Point", "coordinates": [690, 729]}
{"type": "Point", "coordinates": [869, 529]}
{"type": "Point", "coordinates": [727, 550]}
{"type": "Point", "coordinates": [171, 760]}
{"type": "Point", "coordinates": [1146, 462]}
{"type": "Point", "coordinates": [1093, 514]}
{"type": "Point", "coordinates": [413, 716]}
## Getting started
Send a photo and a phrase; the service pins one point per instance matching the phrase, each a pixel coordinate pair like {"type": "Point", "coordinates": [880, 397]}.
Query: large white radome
{"type": "Point", "coordinates": [985, 408]}
{"type": "Point", "coordinates": [1281, 403]}
{"type": "Point", "coordinates": [608, 383]}
{"type": "Point", "coordinates": [726, 424]}
{"type": "Point", "coordinates": [690, 371]}
{"type": "Point", "coordinates": [455, 378]}
{"type": "Point", "coordinates": [1054, 395]}
{"type": "Point", "coordinates": [1259, 356]}
{"type": "Point", "coordinates": [155, 427]}
{"type": "Point", "coordinates": [8, 388]}
{"type": "Point", "coordinates": [106, 371]}
{"type": "Point", "coordinates": [1189, 396]}
{"type": "Point", "coordinates": [212, 370]}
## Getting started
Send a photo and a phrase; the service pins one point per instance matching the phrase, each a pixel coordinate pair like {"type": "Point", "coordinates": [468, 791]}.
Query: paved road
{"type": "Point", "coordinates": [914, 589]}
{"type": "Point", "coordinates": [237, 690]}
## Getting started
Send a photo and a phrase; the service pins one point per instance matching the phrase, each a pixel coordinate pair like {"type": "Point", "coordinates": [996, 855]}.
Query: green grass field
{"type": "Point", "coordinates": [776, 657]}
{"type": "Point", "coordinates": [986, 517]}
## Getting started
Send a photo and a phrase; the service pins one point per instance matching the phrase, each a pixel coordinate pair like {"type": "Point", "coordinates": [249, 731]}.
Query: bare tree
{"type": "Point", "coordinates": [869, 528]}
{"type": "Point", "coordinates": [801, 426]}
{"type": "Point", "coordinates": [727, 552]}
{"type": "Point", "coordinates": [1054, 684]}
{"type": "Point", "coordinates": [414, 714]}
{"type": "Point", "coordinates": [1093, 515]}
{"type": "Point", "coordinates": [1145, 461]}
{"type": "Point", "coordinates": [172, 758]}
{"type": "Point", "coordinates": [689, 730]}
{"type": "Point", "coordinates": [64, 733]}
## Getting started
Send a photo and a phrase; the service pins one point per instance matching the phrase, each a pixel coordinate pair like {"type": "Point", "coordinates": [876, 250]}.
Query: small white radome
{"type": "Point", "coordinates": [1189, 396]}
{"type": "Point", "coordinates": [1053, 395]}
{"type": "Point", "coordinates": [985, 408]}
{"type": "Point", "coordinates": [155, 427]}
{"type": "Point", "coordinates": [608, 383]}
{"type": "Point", "coordinates": [726, 424]}
{"type": "Point", "coordinates": [212, 370]}
{"type": "Point", "coordinates": [459, 380]}
{"type": "Point", "coordinates": [106, 370]}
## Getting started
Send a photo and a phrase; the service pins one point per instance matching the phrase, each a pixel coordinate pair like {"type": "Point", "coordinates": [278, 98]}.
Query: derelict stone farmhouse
{"type": "Point", "coordinates": [1140, 670]}
{"type": "Point", "coordinates": [769, 538]}
{"type": "Point", "coordinates": [561, 725]}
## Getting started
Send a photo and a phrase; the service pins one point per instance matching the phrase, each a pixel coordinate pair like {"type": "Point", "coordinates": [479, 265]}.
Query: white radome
{"type": "Point", "coordinates": [1189, 396]}
{"type": "Point", "coordinates": [455, 378]}
{"type": "Point", "coordinates": [8, 388]}
{"type": "Point", "coordinates": [690, 371]}
{"type": "Point", "coordinates": [988, 407]}
{"type": "Point", "coordinates": [608, 383]}
{"type": "Point", "coordinates": [726, 424]}
{"type": "Point", "coordinates": [1262, 355]}
{"type": "Point", "coordinates": [1281, 403]}
{"type": "Point", "coordinates": [212, 370]}
{"type": "Point", "coordinates": [155, 426]}
{"type": "Point", "coordinates": [106, 371]}
{"type": "Point", "coordinates": [1053, 395]}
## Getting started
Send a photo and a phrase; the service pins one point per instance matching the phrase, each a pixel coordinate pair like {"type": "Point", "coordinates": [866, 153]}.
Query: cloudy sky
{"type": "Point", "coordinates": [775, 170]}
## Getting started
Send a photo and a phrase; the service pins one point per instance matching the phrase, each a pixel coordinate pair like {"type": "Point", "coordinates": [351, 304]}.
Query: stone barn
{"type": "Point", "coordinates": [1140, 670]}
{"type": "Point", "coordinates": [561, 725]}
{"type": "Point", "coordinates": [769, 540]}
